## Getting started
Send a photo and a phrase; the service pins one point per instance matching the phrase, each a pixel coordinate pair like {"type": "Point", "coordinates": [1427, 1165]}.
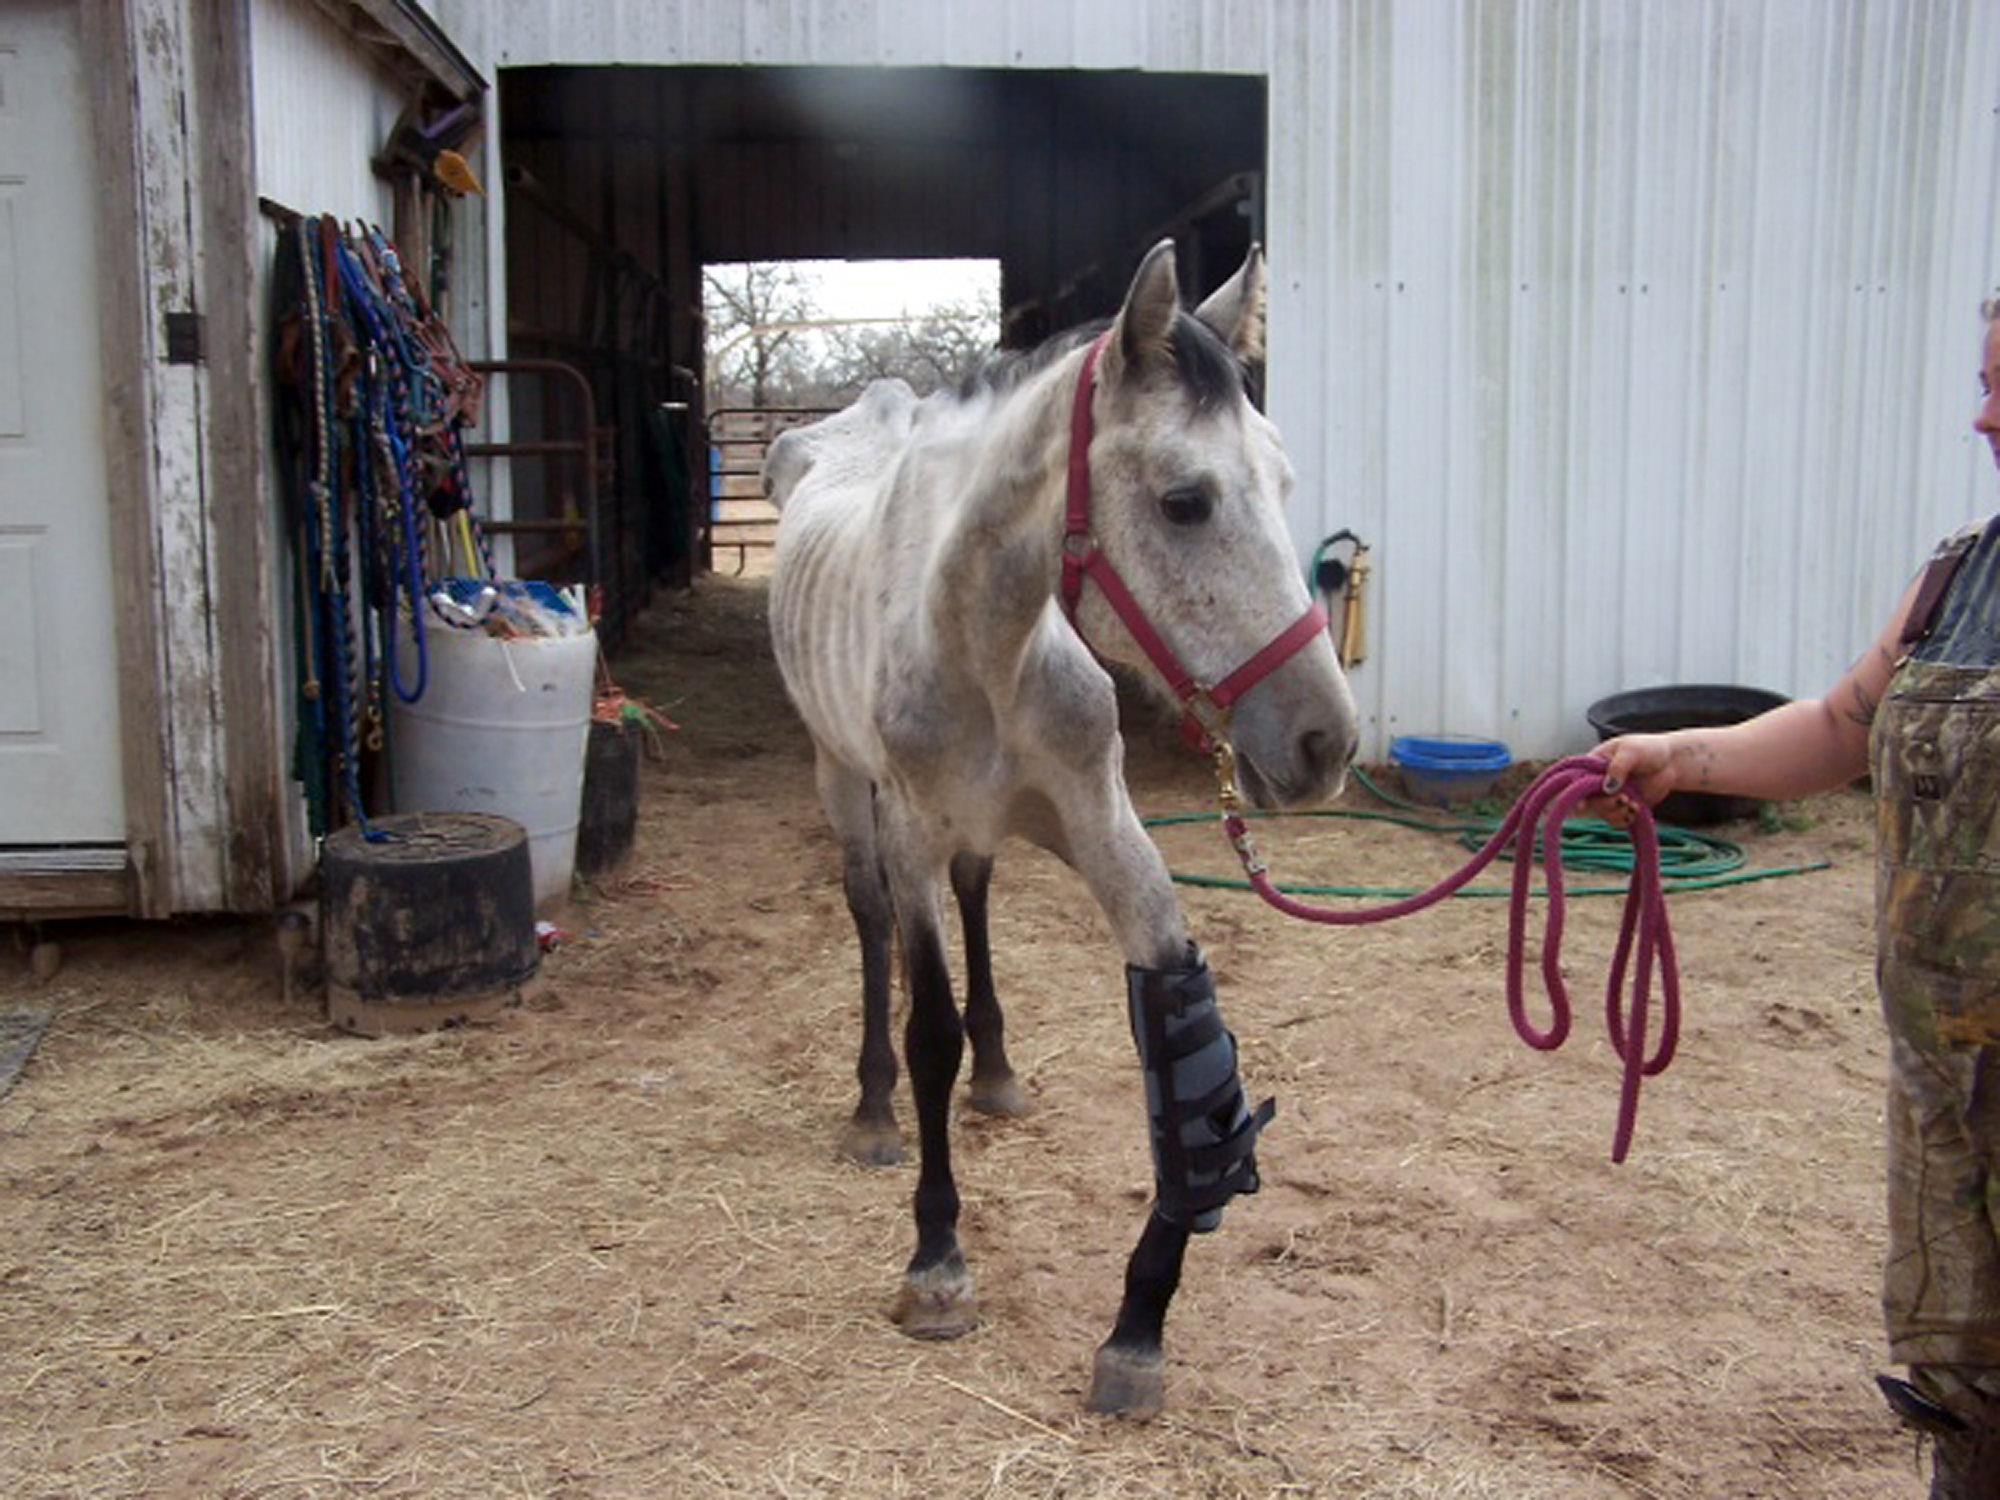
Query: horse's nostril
{"type": "Point", "coordinates": [1324, 754]}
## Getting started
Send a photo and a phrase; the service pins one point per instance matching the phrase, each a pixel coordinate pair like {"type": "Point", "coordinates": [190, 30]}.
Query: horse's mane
{"type": "Point", "coordinates": [1208, 368]}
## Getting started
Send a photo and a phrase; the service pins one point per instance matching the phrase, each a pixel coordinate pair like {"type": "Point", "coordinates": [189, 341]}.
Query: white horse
{"type": "Point", "coordinates": [945, 570]}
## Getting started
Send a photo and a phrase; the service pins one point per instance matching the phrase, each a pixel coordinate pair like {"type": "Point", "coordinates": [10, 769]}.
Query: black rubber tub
{"type": "Point", "coordinates": [1694, 706]}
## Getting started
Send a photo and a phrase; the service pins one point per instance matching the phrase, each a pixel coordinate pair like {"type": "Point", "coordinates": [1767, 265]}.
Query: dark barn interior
{"type": "Point", "coordinates": [622, 183]}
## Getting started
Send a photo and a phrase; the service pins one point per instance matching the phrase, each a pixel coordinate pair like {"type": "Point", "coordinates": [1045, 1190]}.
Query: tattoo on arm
{"type": "Point", "coordinates": [1863, 711]}
{"type": "Point", "coordinates": [1703, 755]}
{"type": "Point", "coordinates": [1865, 704]}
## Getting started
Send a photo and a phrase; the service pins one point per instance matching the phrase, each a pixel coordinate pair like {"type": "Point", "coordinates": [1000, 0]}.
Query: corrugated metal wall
{"type": "Point", "coordinates": [1644, 335]}
{"type": "Point", "coordinates": [1198, 36]}
{"type": "Point", "coordinates": [1637, 339]}
{"type": "Point", "coordinates": [323, 112]}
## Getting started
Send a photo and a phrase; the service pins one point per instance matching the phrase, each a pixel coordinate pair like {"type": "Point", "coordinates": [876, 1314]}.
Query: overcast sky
{"type": "Point", "coordinates": [897, 288]}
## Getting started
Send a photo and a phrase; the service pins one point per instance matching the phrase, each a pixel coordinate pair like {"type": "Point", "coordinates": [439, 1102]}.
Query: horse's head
{"type": "Point", "coordinates": [1188, 485]}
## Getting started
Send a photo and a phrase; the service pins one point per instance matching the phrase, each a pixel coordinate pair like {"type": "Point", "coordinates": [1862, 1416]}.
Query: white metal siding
{"type": "Point", "coordinates": [1641, 338]}
{"type": "Point", "coordinates": [1188, 36]}
{"type": "Point", "coordinates": [1637, 339]}
{"type": "Point", "coordinates": [324, 110]}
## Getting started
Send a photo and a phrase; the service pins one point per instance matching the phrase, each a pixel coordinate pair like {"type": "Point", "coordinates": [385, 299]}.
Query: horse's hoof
{"type": "Point", "coordinates": [1126, 1383]}
{"type": "Point", "coordinates": [872, 1145]}
{"type": "Point", "coordinates": [936, 1303]}
{"type": "Point", "coordinates": [998, 1096]}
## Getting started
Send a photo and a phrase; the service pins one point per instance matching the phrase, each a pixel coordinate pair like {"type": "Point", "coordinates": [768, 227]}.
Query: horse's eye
{"type": "Point", "coordinates": [1186, 507]}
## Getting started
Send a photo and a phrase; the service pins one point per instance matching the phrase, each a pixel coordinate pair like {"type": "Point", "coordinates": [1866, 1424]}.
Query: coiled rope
{"type": "Point", "coordinates": [1645, 936]}
{"type": "Point", "coordinates": [1689, 861]}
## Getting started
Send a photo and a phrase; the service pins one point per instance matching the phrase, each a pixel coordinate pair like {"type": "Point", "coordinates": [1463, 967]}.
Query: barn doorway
{"type": "Point", "coordinates": [622, 184]}
{"type": "Point", "coordinates": [788, 342]}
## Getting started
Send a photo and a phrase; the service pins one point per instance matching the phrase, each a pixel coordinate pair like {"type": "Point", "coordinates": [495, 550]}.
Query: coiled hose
{"type": "Point", "coordinates": [1689, 861]}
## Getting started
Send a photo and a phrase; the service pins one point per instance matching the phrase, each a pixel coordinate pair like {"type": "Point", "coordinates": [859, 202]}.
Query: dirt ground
{"type": "Point", "coordinates": [604, 1247]}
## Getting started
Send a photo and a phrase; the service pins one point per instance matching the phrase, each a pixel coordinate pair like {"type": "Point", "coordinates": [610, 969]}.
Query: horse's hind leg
{"type": "Point", "coordinates": [936, 1300]}
{"type": "Point", "coordinates": [994, 1090]}
{"type": "Point", "coordinates": [871, 1137]}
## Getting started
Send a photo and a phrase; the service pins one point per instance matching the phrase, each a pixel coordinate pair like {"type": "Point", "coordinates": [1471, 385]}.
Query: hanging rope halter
{"type": "Point", "coordinates": [375, 417]}
{"type": "Point", "coordinates": [1645, 938]}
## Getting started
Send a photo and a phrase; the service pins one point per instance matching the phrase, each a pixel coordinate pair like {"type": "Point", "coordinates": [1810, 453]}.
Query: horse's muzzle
{"type": "Point", "coordinates": [1316, 770]}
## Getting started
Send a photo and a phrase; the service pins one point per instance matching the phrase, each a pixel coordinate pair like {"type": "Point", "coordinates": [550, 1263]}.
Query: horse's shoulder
{"type": "Point", "coordinates": [1064, 689]}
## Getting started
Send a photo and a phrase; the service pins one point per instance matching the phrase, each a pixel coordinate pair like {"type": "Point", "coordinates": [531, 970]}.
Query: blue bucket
{"type": "Point", "coordinates": [1448, 768]}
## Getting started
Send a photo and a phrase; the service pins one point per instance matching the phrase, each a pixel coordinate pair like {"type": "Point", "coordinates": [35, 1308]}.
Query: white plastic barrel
{"type": "Point", "coordinates": [501, 727]}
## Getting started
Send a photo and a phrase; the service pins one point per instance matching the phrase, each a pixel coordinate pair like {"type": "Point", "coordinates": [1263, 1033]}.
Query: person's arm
{"type": "Point", "coordinates": [1806, 746]}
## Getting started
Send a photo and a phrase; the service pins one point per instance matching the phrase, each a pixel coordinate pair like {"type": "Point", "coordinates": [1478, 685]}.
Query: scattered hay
{"type": "Point", "coordinates": [604, 1247]}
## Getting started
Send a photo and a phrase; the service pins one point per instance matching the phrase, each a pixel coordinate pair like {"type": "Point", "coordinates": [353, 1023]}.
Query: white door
{"type": "Point", "coordinates": [60, 777]}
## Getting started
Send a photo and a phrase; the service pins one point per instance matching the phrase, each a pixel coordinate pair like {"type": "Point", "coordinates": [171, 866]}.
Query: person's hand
{"type": "Point", "coordinates": [1644, 762]}
{"type": "Point", "coordinates": [1640, 765]}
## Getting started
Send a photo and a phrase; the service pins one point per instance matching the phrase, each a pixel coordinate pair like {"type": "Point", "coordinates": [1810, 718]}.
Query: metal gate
{"type": "Point", "coordinates": [555, 524]}
{"type": "Point", "coordinates": [739, 518]}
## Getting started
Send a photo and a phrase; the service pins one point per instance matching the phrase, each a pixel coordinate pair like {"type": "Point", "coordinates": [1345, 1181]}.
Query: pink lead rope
{"type": "Point", "coordinates": [1537, 819]}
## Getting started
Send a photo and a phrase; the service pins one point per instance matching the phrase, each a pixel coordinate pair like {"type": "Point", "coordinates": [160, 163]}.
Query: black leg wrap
{"type": "Point", "coordinates": [1204, 1136]}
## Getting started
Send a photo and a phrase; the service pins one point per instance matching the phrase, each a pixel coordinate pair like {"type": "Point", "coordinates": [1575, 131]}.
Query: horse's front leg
{"type": "Point", "coordinates": [994, 1090]}
{"type": "Point", "coordinates": [1129, 1376]}
{"type": "Point", "coordinates": [936, 1300]}
{"type": "Point", "coordinates": [1203, 1137]}
{"type": "Point", "coordinates": [1201, 1131]}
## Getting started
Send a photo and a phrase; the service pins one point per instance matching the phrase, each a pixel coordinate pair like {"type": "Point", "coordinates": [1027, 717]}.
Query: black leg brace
{"type": "Point", "coordinates": [1204, 1137]}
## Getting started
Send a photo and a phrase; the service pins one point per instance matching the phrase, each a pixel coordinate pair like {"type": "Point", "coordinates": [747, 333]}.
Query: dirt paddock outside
{"type": "Point", "coordinates": [604, 1246]}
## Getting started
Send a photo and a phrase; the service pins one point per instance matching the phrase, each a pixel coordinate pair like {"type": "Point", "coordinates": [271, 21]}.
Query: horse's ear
{"type": "Point", "coordinates": [1234, 312]}
{"type": "Point", "coordinates": [1147, 318]}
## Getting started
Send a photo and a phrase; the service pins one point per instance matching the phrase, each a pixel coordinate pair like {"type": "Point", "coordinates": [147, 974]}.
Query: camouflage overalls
{"type": "Point", "coordinates": [1935, 758]}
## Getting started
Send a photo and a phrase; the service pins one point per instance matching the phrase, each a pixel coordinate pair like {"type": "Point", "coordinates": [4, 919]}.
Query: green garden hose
{"type": "Point", "coordinates": [1689, 861]}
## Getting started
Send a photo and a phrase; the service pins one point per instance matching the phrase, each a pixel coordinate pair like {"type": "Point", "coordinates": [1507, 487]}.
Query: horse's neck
{"type": "Point", "coordinates": [1000, 558]}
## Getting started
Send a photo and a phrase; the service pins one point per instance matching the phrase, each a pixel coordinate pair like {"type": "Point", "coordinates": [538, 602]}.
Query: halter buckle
{"type": "Point", "coordinates": [1223, 755]}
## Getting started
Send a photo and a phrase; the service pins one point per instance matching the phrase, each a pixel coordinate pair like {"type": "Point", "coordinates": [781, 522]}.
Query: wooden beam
{"type": "Point", "coordinates": [135, 563]}
{"type": "Point", "coordinates": [65, 882]}
{"type": "Point", "coordinates": [243, 583]}
{"type": "Point", "coordinates": [402, 29]}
